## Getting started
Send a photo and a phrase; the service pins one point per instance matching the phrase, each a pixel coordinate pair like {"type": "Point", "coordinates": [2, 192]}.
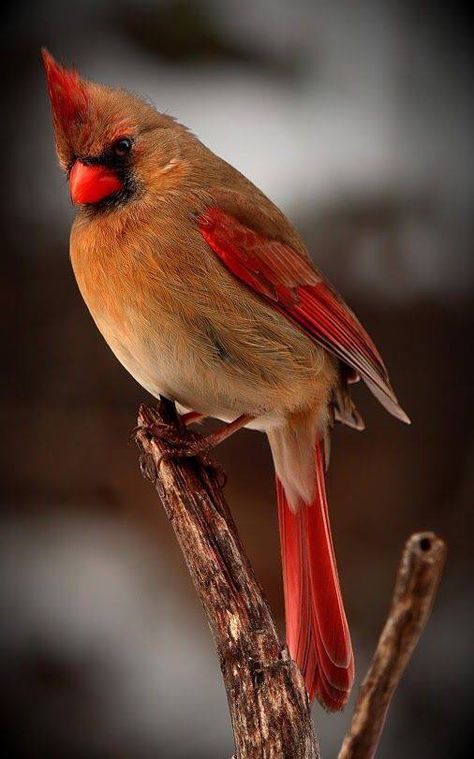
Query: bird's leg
{"type": "Point", "coordinates": [191, 416]}
{"type": "Point", "coordinates": [169, 432]}
{"type": "Point", "coordinates": [206, 443]}
{"type": "Point", "coordinates": [186, 444]}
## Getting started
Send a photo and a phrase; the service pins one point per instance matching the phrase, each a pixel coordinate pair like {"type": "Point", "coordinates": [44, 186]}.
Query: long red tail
{"type": "Point", "coordinates": [316, 626]}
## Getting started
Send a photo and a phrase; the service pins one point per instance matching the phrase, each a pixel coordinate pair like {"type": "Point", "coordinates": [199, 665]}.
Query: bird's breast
{"type": "Point", "coordinates": [130, 300]}
{"type": "Point", "coordinates": [184, 328]}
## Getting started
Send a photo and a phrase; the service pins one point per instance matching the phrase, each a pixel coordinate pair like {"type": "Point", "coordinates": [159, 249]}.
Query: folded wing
{"type": "Point", "coordinates": [291, 285]}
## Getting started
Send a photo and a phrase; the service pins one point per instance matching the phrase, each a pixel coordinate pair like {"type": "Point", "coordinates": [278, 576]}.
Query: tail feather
{"type": "Point", "coordinates": [317, 632]}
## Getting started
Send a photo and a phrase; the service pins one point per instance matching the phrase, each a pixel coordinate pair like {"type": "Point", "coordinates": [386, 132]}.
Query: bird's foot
{"type": "Point", "coordinates": [184, 443]}
{"type": "Point", "coordinates": [176, 449]}
{"type": "Point", "coordinates": [178, 442]}
{"type": "Point", "coordinates": [176, 446]}
{"type": "Point", "coordinates": [160, 427]}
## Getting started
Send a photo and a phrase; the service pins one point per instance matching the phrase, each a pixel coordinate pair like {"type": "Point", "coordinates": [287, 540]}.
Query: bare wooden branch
{"type": "Point", "coordinates": [267, 699]}
{"type": "Point", "coordinates": [417, 581]}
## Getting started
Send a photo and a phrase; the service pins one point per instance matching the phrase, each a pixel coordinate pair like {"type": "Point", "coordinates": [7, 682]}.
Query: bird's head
{"type": "Point", "coordinates": [112, 144]}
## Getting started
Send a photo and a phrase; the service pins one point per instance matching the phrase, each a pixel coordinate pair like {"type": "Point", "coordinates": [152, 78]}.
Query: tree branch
{"type": "Point", "coordinates": [268, 704]}
{"type": "Point", "coordinates": [419, 573]}
{"type": "Point", "coordinates": [267, 699]}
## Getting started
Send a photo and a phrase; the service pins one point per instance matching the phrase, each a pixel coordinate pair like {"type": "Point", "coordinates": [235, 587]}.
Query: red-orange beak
{"type": "Point", "coordinates": [89, 184]}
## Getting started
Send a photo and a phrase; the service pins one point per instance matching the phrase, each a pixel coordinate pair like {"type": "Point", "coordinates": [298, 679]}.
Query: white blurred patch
{"type": "Point", "coordinates": [97, 599]}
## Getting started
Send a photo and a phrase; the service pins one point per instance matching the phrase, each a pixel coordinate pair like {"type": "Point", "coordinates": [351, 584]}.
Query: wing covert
{"type": "Point", "coordinates": [291, 285]}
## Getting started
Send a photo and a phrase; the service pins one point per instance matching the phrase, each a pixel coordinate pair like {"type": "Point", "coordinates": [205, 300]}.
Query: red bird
{"type": "Point", "coordinates": [206, 294]}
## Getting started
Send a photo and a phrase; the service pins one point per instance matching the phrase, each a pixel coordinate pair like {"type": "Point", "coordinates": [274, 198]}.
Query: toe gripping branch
{"type": "Point", "coordinates": [176, 440]}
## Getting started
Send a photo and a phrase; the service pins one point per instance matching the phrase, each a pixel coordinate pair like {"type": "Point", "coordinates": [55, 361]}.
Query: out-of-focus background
{"type": "Point", "coordinates": [356, 118]}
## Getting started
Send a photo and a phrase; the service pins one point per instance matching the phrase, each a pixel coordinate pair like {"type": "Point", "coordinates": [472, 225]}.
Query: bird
{"type": "Point", "coordinates": [207, 295]}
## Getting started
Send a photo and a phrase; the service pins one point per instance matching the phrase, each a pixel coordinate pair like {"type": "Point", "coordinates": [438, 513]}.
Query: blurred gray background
{"type": "Point", "coordinates": [356, 118]}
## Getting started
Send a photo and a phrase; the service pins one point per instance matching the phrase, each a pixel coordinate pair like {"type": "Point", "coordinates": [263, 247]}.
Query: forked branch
{"type": "Point", "coordinates": [267, 700]}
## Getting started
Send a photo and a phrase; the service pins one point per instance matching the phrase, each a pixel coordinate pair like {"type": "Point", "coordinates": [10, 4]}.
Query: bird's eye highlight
{"type": "Point", "coordinates": [122, 146]}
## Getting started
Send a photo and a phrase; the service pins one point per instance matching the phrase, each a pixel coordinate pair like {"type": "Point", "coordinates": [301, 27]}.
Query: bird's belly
{"type": "Point", "coordinates": [148, 359]}
{"type": "Point", "coordinates": [184, 381]}
{"type": "Point", "coordinates": [221, 357]}
{"type": "Point", "coordinates": [177, 364]}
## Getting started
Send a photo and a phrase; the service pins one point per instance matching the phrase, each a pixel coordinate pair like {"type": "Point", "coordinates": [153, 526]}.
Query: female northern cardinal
{"type": "Point", "coordinates": [206, 294]}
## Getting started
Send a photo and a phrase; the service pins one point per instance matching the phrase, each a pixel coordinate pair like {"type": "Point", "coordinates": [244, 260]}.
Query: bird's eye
{"type": "Point", "coordinates": [122, 146]}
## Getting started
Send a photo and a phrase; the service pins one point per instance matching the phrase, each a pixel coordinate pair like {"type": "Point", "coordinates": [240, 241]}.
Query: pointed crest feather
{"type": "Point", "coordinates": [67, 92]}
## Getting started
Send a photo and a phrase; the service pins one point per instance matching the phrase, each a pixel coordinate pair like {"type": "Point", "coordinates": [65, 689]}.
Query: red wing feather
{"type": "Point", "coordinates": [289, 282]}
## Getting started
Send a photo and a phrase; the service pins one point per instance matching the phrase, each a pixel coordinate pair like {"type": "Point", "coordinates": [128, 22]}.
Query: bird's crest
{"type": "Point", "coordinates": [67, 93]}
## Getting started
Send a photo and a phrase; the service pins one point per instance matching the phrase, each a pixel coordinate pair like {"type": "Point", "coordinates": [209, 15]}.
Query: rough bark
{"type": "Point", "coordinates": [417, 581]}
{"type": "Point", "coordinates": [267, 700]}
{"type": "Point", "coordinates": [268, 704]}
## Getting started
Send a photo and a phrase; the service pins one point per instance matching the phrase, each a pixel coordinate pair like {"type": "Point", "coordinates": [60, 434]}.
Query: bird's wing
{"type": "Point", "coordinates": [288, 282]}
